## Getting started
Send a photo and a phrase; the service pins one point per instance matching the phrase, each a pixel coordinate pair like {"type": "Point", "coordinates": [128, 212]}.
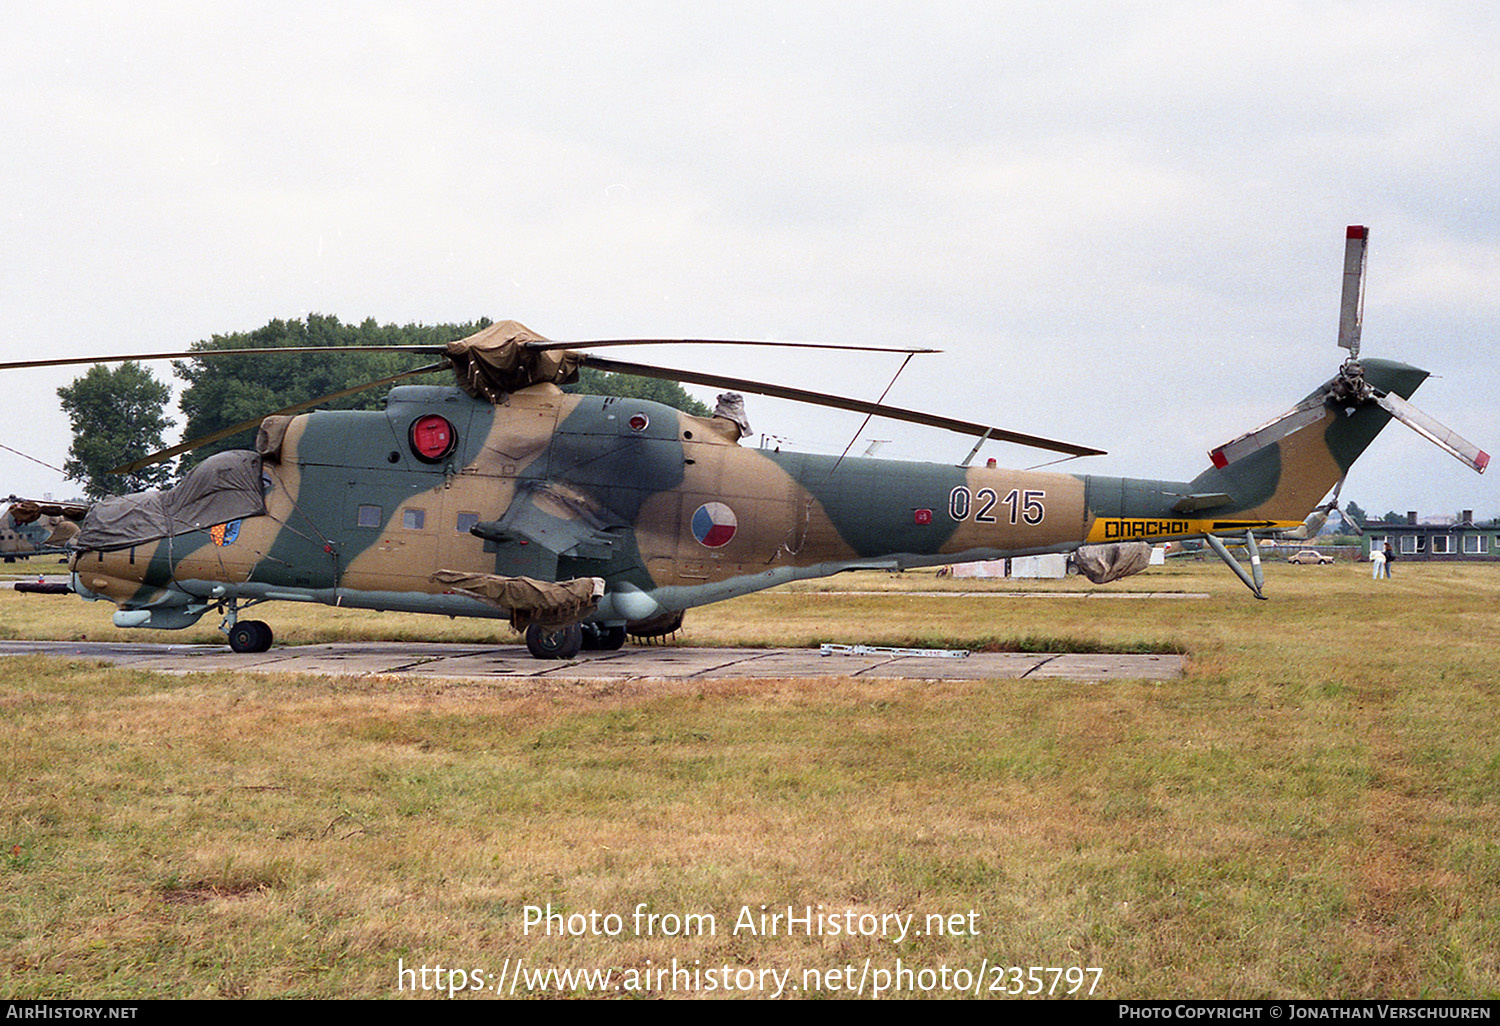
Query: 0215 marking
{"type": "Point", "coordinates": [1027, 507]}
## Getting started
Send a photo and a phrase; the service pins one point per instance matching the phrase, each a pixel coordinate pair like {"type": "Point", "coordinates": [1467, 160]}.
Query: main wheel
{"type": "Point", "coordinates": [554, 643]}
{"type": "Point", "coordinates": [250, 636]}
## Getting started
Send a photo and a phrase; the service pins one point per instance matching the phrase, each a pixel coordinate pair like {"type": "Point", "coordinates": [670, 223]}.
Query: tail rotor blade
{"type": "Point", "coordinates": [1444, 438]}
{"type": "Point", "coordinates": [1351, 310]}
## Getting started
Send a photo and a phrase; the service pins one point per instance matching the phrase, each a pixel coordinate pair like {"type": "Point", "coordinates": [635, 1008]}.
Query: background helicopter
{"type": "Point", "coordinates": [26, 534]}
{"type": "Point", "coordinates": [584, 518]}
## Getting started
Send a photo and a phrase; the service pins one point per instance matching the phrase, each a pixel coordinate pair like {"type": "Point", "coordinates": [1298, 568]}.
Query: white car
{"type": "Point", "coordinates": [1309, 556]}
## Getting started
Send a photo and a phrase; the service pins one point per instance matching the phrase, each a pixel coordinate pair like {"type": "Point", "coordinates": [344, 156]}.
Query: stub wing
{"type": "Point", "coordinates": [559, 519]}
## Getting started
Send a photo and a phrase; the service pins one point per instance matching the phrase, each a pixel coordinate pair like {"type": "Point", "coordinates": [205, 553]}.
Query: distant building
{"type": "Point", "coordinates": [1460, 540]}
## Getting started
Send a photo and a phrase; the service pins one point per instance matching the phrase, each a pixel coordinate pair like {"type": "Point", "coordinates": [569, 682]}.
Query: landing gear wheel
{"type": "Point", "coordinates": [263, 643]}
{"type": "Point", "coordinates": [554, 643]}
{"type": "Point", "coordinates": [250, 636]}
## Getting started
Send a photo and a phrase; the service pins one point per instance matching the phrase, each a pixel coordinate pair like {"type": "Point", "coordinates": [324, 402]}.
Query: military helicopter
{"type": "Point", "coordinates": [36, 535]}
{"type": "Point", "coordinates": [582, 519]}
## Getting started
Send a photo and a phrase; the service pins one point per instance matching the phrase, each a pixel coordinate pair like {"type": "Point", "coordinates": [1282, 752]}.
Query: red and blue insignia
{"type": "Point", "coordinates": [714, 524]}
{"type": "Point", "coordinates": [225, 534]}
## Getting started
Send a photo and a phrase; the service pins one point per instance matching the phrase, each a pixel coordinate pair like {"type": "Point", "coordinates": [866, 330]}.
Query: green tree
{"type": "Point", "coordinates": [227, 390]}
{"type": "Point", "coordinates": [117, 416]}
{"type": "Point", "coordinates": [1355, 514]}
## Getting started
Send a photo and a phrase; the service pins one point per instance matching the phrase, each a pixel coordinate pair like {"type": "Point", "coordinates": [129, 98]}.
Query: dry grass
{"type": "Point", "coordinates": [1312, 812]}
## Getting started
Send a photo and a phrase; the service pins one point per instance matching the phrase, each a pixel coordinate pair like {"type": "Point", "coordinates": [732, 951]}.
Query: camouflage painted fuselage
{"type": "Point", "coordinates": [666, 508]}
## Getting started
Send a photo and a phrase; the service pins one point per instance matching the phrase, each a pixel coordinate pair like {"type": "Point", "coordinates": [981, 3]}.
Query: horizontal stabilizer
{"type": "Point", "coordinates": [1444, 438]}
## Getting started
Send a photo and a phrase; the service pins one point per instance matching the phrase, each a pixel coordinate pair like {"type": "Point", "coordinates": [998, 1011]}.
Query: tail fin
{"type": "Point", "coordinates": [1283, 469]}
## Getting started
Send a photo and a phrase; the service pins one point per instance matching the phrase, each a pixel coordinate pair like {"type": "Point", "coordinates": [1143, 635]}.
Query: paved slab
{"type": "Point", "coordinates": [1105, 595]}
{"type": "Point", "coordinates": [630, 663]}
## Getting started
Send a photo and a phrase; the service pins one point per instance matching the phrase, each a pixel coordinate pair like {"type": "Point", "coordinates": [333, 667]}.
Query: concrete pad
{"type": "Point", "coordinates": [1096, 666]}
{"type": "Point", "coordinates": [1106, 595]}
{"type": "Point", "coordinates": [629, 663]}
{"type": "Point", "coordinates": [977, 666]}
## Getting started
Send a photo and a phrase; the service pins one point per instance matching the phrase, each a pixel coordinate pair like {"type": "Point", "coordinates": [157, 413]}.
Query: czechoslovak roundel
{"type": "Point", "coordinates": [714, 524]}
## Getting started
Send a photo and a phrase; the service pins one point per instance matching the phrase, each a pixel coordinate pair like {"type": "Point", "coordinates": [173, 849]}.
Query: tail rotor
{"type": "Point", "coordinates": [1351, 388]}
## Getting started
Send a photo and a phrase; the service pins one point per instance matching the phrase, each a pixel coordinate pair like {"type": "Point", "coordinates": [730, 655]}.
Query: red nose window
{"type": "Point", "coordinates": [432, 438]}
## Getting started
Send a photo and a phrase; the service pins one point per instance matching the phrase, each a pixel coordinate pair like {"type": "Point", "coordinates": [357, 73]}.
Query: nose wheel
{"type": "Point", "coordinates": [250, 636]}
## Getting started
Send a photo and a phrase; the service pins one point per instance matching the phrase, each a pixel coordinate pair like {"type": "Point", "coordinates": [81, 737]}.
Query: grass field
{"type": "Point", "coordinates": [1313, 811]}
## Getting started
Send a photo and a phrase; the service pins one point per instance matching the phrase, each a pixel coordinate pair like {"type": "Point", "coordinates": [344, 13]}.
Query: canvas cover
{"type": "Point", "coordinates": [270, 435]}
{"type": "Point", "coordinates": [529, 601]}
{"type": "Point", "coordinates": [1104, 563]}
{"type": "Point", "coordinates": [224, 487]}
{"type": "Point", "coordinates": [492, 363]}
{"type": "Point", "coordinates": [63, 532]}
{"type": "Point", "coordinates": [731, 407]}
{"type": "Point", "coordinates": [28, 511]}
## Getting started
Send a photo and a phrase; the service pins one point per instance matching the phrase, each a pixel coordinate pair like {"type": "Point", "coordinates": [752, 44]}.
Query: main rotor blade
{"type": "Point", "coordinates": [1444, 438]}
{"type": "Point", "coordinates": [194, 354]}
{"type": "Point", "coordinates": [962, 427]}
{"type": "Point", "coordinates": [245, 425]}
{"type": "Point", "coordinates": [603, 342]}
{"type": "Point", "coordinates": [428, 350]}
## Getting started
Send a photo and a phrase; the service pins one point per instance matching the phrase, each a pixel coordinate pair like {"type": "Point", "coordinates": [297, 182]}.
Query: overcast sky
{"type": "Point", "coordinates": [1123, 223]}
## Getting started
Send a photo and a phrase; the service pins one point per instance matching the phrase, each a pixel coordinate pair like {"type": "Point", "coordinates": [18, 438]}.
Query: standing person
{"type": "Point", "coordinates": [1390, 557]}
{"type": "Point", "coordinates": [1377, 564]}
